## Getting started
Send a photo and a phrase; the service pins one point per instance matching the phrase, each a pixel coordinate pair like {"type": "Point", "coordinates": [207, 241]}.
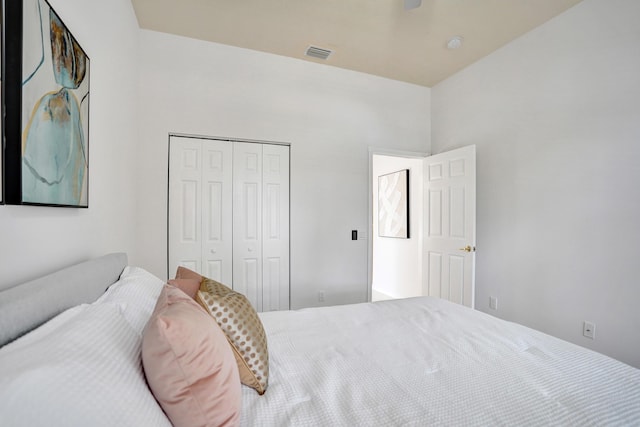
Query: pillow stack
{"type": "Point", "coordinates": [202, 341]}
{"type": "Point", "coordinates": [240, 322]}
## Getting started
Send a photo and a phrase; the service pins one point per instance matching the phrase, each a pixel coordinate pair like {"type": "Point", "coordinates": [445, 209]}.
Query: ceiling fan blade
{"type": "Point", "coordinates": [412, 4]}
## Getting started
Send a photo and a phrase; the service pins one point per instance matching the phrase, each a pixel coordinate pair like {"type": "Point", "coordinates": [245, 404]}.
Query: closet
{"type": "Point", "coordinates": [228, 215]}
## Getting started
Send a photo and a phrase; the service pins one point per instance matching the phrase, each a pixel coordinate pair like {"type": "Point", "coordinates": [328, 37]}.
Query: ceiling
{"type": "Point", "coordinates": [372, 36]}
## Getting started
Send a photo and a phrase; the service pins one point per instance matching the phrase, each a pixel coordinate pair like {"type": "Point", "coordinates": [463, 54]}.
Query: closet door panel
{"type": "Point", "coordinates": [185, 204]}
{"type": "Point", "coordinates": [275, 236]}
{"type": "Point", "coordinates": [247, 223]}
{"type": "Point", "coordinates": [217, 211]}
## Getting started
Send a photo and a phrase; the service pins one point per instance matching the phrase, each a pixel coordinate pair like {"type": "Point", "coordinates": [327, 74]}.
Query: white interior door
{"type": "Point", "coordinates": [247, 224]}
{"type": "Point", "coordinates": [450, 225]}
{"type": "Point", "coordinates": [200, 208]}
{"type": "Point", "coordinates": [185, 201]}
{"type": "Point", "coordinates": [217, 209]}
{"type": "Point", "coordinates": [275, 230]}
{"type": "Point", "coordinates": [229, 215]}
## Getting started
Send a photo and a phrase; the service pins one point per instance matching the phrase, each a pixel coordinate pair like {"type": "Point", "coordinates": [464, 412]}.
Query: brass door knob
{"type": "Point", "coordinates": [468, 249]}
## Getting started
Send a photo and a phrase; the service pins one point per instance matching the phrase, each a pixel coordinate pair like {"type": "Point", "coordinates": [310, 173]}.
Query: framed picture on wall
{"type": "Point", "coordinates": [46, 96]}
{"type": "Point", "coordinates": [2, 94]}
{"type": "Point", "coordinates": [393, 204]}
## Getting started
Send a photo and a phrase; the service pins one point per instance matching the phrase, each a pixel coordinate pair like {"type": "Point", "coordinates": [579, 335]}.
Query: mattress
{"type": "Point", "coordinates": [425, 361]}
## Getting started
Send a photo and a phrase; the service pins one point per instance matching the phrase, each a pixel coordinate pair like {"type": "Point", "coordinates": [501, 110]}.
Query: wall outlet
{"type": "Point", "coordinates": [321, 296]}
{"type": "Point", "coordinates": [589, 329]}
{"type": "Point", "coordinates": [493, 303]}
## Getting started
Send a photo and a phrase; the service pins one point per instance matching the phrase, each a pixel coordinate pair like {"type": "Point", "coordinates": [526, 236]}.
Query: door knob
{"type": "Point", "coordinates": [468, 249]}
{"type": "Point", "coordinates": [213, 251]}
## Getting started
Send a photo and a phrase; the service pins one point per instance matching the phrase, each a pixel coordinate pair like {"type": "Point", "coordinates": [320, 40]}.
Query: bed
{"type": "Point", "coordinates": [72, 342]}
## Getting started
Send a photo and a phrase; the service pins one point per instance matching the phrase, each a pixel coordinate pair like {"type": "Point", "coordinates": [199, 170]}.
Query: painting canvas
{"type": "Point", "coordinates": [393, 204]}
{"type": "Point", "coordinates": [1, 119]}
{"type": "Point", "coordinates": [51, 165]}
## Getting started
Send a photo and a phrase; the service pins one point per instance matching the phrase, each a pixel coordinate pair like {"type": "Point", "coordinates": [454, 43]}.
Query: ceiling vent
{"type": "Point", "coordinates": [318, 52]}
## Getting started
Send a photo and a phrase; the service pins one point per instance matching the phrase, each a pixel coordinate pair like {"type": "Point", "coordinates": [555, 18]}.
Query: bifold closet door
{"type": "Point", "coordinates": [275, 228]}
{"type": "Point", "coordinates": [247, 224]}
{"type": "Point", "coordinates": [200, 207]}
{"type": "Point", "coordinates": [229, 215]}
{"type": "Point", "coordinates": [261, 224]}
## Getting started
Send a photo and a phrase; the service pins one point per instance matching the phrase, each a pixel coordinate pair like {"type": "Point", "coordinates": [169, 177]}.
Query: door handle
{"type": "Point", "coordinates": [468, 249]}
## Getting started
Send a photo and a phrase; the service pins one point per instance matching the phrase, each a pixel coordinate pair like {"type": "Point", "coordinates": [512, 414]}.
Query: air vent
{"type": "Point", "coordinates": [318, 52]}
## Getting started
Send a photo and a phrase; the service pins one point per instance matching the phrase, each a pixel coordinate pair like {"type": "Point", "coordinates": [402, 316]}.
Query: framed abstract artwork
{"type": "Point", "coordinates": [393, 205]}
{"type": "Point", "coordinates": [46, 99]}
{"type": "Point", "coordinates": [2, 94]}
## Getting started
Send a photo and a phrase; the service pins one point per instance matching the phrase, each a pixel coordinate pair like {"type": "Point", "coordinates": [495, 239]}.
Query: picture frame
{"type": "Point", "coordinates": [393, 205]}
{"type": "Point", "coordinates": [2, 103]}
{"type": "Point", "coordinates": [46, 102]}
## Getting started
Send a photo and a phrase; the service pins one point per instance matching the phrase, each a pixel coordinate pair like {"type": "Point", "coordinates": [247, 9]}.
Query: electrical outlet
{"type": "Point", "coordinates": [493, 303]}
{"type": "Point", "coordinates": [321, 296]}
{"type": "Point", "coordinates": [589, 329]}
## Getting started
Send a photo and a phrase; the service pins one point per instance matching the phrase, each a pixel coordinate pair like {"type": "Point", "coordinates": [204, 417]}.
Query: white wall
{"type": "Point", "coordinates": [397, 263]}
{"type": "Point", "coordinates": [555, 116]}
{"type": "Point", "coordinates": [38, 240]}
{"type": "Point", "coordinates": [330, 116]}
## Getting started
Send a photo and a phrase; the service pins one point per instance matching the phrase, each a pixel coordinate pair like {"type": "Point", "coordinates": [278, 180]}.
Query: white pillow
{"type": "Point", "coordinates": [136, 293]}
{"type": "Point", "coordinates": [85, 373]}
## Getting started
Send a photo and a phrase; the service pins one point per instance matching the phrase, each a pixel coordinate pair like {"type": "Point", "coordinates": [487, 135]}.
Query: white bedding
{"type": "Point", "coordinates": [426, 361]}
{"type": "Point", "coordinates": [82, 368]}
{"type": "Point", "coordinates": [411, 362]}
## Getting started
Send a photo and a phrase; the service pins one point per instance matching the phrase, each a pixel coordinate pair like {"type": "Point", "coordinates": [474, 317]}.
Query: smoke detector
{"type": "Point", "coordinates": [454, 42]}
{"type": "Point", "coordinates": [412, 4]}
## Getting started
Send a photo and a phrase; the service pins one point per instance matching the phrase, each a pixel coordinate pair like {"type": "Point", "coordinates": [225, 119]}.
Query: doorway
{"type": "Point", "coordinates": [396, 261]}
{"type": "Point", "coordinates": [438, 257]}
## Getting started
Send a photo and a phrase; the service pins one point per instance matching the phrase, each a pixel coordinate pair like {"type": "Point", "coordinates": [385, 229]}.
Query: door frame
{"type": "Point", "coordinates": [226, 138]}
{"type": "Point", "coordinates": [378, 151]}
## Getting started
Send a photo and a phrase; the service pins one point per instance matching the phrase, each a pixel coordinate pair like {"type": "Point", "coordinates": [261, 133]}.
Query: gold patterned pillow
{"type": "Point", "coordinates": [243, 328]}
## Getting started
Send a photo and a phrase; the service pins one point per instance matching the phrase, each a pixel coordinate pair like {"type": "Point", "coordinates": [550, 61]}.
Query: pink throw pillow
{"type": "Point", "coordinates": [188, 286]}
{"type": "Point", "coordinates": [189, 364]}
{"type": "Point", "coordinates": [185, 273]}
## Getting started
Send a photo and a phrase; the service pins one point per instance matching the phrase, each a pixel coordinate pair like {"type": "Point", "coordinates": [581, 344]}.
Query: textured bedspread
{"type": "Point", "coordinates": [425, 361]}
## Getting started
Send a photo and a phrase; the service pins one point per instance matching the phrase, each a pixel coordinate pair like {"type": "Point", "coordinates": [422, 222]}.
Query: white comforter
{"type": "Point", "coordinates": [426, 361]}
{"type": "Point", "coordinates": [414, 362]}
